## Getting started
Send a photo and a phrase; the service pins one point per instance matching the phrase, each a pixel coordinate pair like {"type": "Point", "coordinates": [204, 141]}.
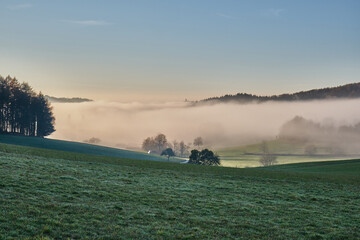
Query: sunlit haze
{"type": "Point", "coordinates": [126, 125]}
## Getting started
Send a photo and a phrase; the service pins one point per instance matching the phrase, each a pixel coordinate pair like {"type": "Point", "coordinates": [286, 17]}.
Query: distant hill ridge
{"type": "Point", "coordinates": [68, 100]}
{"type": "Point", "coordinates": [345, 91]}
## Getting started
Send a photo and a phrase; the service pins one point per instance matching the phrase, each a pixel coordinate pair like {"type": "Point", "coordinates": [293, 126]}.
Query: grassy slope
{"type": "Point", "coordinates": [340, 168]}
{"type": "Point", "coordinates": [76, 147]}
{"type": "Point", "coordinates": [236, 156]}
{"type": "Point", "coordinates": [90, 196]}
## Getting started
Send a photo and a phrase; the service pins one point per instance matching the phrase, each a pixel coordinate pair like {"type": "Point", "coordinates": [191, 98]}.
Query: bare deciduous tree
{"type": "Point", "coordinates": [266, 159]}
{"type": "Point", "coordinates": [182, 148]}
{"type": "Point", "coordinates": [198, 142]}
{"type": "Point", "coordinates": [176, 147]}
{"type": "Point", "coordinates": [161, 142]}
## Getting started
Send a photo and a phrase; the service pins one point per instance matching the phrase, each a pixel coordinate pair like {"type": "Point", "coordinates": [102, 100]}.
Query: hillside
{"type": "Point", "coordinates": [346, 91]}
{"type": "Point", "coordinates": [52, 144]}
{"type": "Point", "coordinates": [88, 196]}
{"type": "Point", "coordinates": [242, 156]}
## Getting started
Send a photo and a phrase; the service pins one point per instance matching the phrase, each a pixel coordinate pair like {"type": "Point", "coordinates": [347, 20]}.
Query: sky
{"type": "Point", "coordinates": [157, 50]}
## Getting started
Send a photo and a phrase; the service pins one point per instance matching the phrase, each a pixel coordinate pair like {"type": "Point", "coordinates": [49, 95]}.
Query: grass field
{"type": "Point", "coordinates": [58, 195]}
{"type": "Point", "coordinates": [287, 152]}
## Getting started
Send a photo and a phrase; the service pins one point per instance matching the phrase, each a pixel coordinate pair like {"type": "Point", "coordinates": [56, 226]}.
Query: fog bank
{"type": "Point", "coordinates": [128, 124]}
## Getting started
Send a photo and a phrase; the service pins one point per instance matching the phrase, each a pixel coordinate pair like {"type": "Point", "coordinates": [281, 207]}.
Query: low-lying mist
{"type": "Point", "coordinates": [126, 125]}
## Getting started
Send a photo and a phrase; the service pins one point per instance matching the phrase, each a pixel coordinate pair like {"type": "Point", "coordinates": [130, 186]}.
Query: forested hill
{"type": "Point", "coordinates": [346, 91]}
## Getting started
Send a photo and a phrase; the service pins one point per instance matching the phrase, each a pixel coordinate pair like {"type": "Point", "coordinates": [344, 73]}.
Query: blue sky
{"type": "Point", "coordinates": [172, 50]}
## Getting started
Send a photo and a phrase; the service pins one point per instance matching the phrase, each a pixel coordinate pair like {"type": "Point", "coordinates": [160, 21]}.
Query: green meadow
{"type": "Point", "coordinates": [287, 152]}
{"type": "Point", "coordinates": [51, 194]}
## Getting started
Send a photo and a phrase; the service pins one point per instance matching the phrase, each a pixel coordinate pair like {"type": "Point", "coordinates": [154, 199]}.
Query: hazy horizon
{"type": "Point", "coordinates": [171, 50]}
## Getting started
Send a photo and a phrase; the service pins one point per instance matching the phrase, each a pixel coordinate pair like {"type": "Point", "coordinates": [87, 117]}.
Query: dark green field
{"type": "Point", "coordinates": [59, 195]}
{"type": "Point", "coordinates": [53, 144]}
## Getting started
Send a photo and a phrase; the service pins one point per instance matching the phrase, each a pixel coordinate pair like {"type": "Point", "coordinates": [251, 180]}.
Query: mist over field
{"type": "Point", "coordinates": [128, 124]}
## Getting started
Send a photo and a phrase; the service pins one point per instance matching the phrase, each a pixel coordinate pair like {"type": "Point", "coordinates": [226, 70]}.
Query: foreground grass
{"type": "Point", "coordinates": [338, 169]}
{"type": "Point", "coordinates": [109, 198]}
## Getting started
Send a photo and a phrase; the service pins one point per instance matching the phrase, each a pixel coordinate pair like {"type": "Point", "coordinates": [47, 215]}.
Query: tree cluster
{"type": "Point", "coordinates": [204, 157]}
{"type": "Point", "coordinates": [22, 111]}
{"type": "Point", "coordinates": [180, 148]}
{"type": "Point", "coordinates": [326, 136]}
{"type": "Point", "coordinates": [159, 143]}
{"type": "Point", "coordinates": [155, 144]}
{"type": "Point", "coordinates": [302, 129]}
{"type": "Point", "coordinates": [168, 152]}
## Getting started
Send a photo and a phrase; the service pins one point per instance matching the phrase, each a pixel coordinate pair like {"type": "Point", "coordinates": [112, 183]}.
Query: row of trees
{"type": "Point", "coordinates": [159, 143]}
{"type": "Point", "coordinates": [22, 111]}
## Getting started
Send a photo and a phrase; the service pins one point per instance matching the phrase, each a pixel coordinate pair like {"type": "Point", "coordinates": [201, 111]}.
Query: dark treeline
{"type": "Point", "coordinates": [345, 91]}
{"type": "Point", "coordinates": [22, 111]}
